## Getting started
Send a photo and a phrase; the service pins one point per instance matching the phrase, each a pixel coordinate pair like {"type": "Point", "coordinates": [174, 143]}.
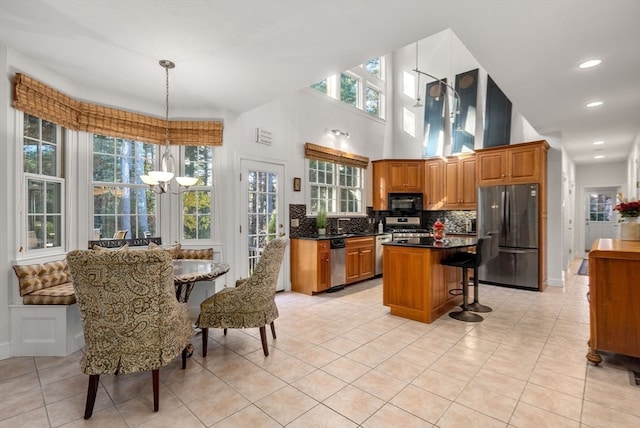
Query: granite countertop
{"type": "Point", "coordinates": [430, 243]}
{"type": "Point", "coordinates": [339, 235]}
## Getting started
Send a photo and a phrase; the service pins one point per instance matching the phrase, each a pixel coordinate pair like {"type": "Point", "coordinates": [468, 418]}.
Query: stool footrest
{"type": "Point", "coordinates": [456, 292]}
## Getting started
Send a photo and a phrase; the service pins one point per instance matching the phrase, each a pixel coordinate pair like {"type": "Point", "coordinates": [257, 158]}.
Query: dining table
{"type": "Point", "coordinates": [186, 272]}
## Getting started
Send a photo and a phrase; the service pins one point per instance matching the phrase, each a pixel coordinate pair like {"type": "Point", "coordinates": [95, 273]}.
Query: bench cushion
{"type": "Point", "coordinates": [62, 294]}
{"type": "Point", "coordinates": [46, 284]}
{"type": "Point", "coordinates": [29, 278]}
{"type": "Point", "coordinates": [173, 250]}
{"type": "Point", "coordinates": [204, 254]}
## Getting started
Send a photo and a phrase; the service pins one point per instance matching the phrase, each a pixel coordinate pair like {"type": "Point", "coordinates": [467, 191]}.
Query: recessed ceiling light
{"type": "Point", "coordinates": [589, 63]}
{"type": "Point", "coordinates": [597, 143]}
{"type": "Point", "coordinates": [598, 156]}
{"type": "Point", "coordinates": [594, 104]}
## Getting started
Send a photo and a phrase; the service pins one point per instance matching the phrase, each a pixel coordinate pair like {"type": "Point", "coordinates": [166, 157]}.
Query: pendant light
{"type": "Point", "coordinates": [159, 181]}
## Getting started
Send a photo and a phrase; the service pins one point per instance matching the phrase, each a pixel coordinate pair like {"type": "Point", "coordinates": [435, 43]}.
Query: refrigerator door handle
{"type": "Point", "coordinates": [512, 251]}
{"type": "Point", "coordinates": [504, 216]}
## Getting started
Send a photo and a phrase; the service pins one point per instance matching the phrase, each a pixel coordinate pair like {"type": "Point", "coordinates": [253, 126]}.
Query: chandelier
{"type": "Point", "coordinates": [159, 181]}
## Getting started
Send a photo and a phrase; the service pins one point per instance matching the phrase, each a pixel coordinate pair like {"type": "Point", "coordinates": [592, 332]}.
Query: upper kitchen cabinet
{"type": "Point", "coordinates": [460, 183]}
{"type": "Point", "coordinates": [518, 163]}
{"type": "Point", "coordinates": [434, 191]}
{"type": "Point", "coordinates": [405, 176]}
{"type": "Point", "coordinates": [395, 176]}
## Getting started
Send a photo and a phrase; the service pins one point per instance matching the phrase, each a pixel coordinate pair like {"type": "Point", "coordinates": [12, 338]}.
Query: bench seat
{"type": "Point", "coordinates": [46, 284]}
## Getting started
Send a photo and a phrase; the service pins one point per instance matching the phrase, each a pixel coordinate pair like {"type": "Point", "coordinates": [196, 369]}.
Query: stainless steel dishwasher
{"type": "Point", "coordinates": [379, 251]}
{"type": "Point", "coordinates": [338, 262]}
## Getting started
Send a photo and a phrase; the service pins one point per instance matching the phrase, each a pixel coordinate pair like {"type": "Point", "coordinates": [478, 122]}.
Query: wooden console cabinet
{"type": "Point", "coordinates": [310, 265]}
{"type": "Point", "coordinates": [614, 298]}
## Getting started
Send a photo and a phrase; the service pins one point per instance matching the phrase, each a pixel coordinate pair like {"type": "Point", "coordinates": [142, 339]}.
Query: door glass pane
{"type": "Point", "coordinates": [600, 207]}
{"type": "Point", "coordinates": [262, 216]}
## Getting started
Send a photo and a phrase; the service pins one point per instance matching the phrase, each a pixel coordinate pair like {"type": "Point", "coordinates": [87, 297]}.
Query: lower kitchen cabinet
{"type": "Point", "coordinates": [310, 265]}
{"type": "Point", "coordinates": [360, 258]}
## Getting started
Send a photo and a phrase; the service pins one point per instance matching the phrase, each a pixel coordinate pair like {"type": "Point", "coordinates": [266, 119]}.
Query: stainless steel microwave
{"type": "Point", "coordinates": [405, 202]}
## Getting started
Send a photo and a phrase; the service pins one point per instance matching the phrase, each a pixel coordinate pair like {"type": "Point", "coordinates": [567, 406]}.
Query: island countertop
{"type": "Point", "coordinates": [430, 243]}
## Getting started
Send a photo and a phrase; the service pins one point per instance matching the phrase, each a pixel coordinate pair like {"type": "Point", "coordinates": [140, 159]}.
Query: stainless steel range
{"type": "Point", "coordinates": [406, 227]}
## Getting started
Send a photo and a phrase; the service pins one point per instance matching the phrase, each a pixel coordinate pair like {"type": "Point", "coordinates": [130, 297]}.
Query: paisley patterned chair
{"type": "Point", "coordinates": [131, 319]}
{"type": "Point", "coordinates": [251, 303]}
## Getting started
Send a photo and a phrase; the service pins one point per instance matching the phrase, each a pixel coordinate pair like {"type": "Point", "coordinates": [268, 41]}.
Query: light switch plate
{"type": "Point", "coordinates": [295, 222]}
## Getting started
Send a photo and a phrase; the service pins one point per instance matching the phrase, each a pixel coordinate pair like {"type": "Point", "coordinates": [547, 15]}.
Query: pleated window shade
{"type": "Point", "coordinates": [36, 98]}
{"type": "Point", "coordinates": [314, 151]}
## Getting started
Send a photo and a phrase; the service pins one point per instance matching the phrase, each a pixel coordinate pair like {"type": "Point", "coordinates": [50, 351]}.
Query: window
{"type": "Point", "coordinates": [320, 86]}
{"type": "Point", "coordinates": [374, 67]}
{"type": "Point", "coordinates": [337, 188]}
{"type": "Point", "coordinates": [373, 101]}
{"type": "Point", "coordinates": [349, 87]}
{"type": "Point", "coordinates": [42, 160]}
{"type": "Point", "coordinates": [197, 201]}
{"type": "Point", "coordinates": [600, 207]}
{"type": "Point", "coordinates": [120, 200]}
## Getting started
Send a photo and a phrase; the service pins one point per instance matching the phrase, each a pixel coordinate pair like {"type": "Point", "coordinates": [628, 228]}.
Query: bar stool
{"type": "Point", "coordinates": [475, 306]}
{"type": "Point", "coordinates": [467, 261]}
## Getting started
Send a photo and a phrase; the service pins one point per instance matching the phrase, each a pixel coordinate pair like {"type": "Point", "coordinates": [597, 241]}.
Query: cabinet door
{"type": "Point", "coordinates": [414, 176]}
{"type": "Point", "coordinates": [324, 266]}
{"type": "Point", "coordinates": [379, 186]}
{"type": "Point", "coordinates": [352, 265]}
{"type": "Point", "coordinates": [405, 176]}
{"type": "Point", "coordinates": [367, 262]}
{"type": "Point", "coordinates": [467, 188]}
{"type": "Point", "coordinates": [451, 184]}
{"type": "Point", "coordinates": [434, 195]}
{"type": "Point", "coordinates": [491, 168]}
{"type": "Point", "coordinates": [523, 165]}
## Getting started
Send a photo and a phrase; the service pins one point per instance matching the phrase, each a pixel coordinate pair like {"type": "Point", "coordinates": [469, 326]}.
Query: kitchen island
{"type": "Point", "coordinates": [415, 285]}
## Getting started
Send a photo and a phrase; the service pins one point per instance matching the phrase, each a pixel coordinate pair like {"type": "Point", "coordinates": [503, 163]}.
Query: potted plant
{"type": "Point", "coordinates": [321, 221]}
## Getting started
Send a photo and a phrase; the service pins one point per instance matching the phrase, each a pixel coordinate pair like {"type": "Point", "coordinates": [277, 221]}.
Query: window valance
{"type": "Point", "coordinates": [314, 151]}
{"type": "Point", "coordinates": [36, 98]}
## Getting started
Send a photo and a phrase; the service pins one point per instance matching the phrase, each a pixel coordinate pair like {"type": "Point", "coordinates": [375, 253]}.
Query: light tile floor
{"type": "Point", "coordinates": [341, 360]}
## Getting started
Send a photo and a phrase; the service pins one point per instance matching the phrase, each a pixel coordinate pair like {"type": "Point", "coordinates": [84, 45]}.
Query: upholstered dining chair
{"type": "Point", "coordinates": [251, 303]}
{"type": "Point", "coordinates": [131, 319]}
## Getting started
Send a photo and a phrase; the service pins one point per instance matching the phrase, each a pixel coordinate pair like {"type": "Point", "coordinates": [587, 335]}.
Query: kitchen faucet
{"type": "Point", "coordinates": [340, 227]}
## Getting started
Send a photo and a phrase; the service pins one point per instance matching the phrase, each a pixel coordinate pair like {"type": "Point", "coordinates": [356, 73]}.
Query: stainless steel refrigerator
{"type": "Point", "coordinates": [512, 212]}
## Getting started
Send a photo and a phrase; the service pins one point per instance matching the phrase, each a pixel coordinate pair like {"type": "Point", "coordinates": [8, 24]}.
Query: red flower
{"type": "Point", "coordinates": [628, 209]}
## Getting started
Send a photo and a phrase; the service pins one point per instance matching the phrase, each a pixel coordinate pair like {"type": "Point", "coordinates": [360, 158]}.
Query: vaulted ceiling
{"type": "Point", "coordinates": [238, 54]}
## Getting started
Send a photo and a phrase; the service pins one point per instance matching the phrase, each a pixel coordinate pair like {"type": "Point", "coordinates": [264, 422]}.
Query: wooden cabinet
{"type": "Point", "coordinates": [395, 176]}
{"type": "Point", "coordinates": [614, 298]}
{"type": "Point", "coordinates": [518, 163]}
{"type": "Point", "coordinates": [405, 176]}
{"type": "Point", "coordinates": [460, 183]}
{"type": "Point", "coordinates": [416, 285]}
{"type": "Point", "coordinates": [360, 258]}
{"type": "Point", "coordinates": [310, 265]}
{"type": "Point", "coordinates": [434, 192]}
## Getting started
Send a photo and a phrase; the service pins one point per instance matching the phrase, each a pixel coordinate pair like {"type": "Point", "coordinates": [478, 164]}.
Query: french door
{"type": "Point", "coordinates": [262, 212]}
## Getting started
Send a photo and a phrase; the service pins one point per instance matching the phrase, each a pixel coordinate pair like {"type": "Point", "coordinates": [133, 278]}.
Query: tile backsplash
{"type": "Point", "coordinates": [307, 225]}
{"type": "Point", "coordinates": [455, 221]}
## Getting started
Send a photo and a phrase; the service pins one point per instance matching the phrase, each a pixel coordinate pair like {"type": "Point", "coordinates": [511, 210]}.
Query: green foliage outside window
{"type": "Point", "coordinates": [349, 89]}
